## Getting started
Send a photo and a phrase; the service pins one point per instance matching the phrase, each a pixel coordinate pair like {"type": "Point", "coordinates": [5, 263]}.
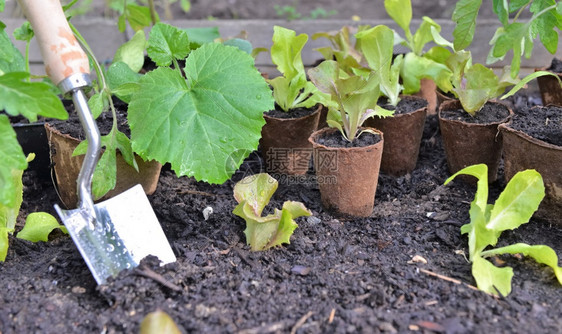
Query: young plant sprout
{"type": "Point", "coordinates": [291, 90]}
{"type": "Point", "coordinates": [253, 194]}
{"type": "Point", "coordinates": [514, 207]}
{"type": "Point", "coordinates": [355, 96]}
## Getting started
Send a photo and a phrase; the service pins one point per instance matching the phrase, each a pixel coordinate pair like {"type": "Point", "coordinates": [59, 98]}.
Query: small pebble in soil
{"type": "Point", "coordinates": [207, 212]}
{"type": "Point", "coordinates": [301, 270]}
{"type": "Point", "coordinates": [313, 220]}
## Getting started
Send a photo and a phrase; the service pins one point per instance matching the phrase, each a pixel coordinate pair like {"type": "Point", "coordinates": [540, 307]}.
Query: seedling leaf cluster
{"type": "Point", "coordinates": [514, 207]}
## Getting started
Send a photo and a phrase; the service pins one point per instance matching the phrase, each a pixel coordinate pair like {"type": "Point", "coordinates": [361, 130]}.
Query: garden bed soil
{"type": "Point", "coordinates": [337, 276]}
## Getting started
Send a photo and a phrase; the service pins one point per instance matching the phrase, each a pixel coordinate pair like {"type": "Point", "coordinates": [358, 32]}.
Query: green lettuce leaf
{"type": "Point", "coordinates": [38, 226]}
{"type": "Point", "coordinates": [540, 253]}
{"type": "Point", "coordinates": [490, 278]}
{"type": "Point", "coordinates": [253, 194]}
{"type": "Point", "coordinates": [132, 52]}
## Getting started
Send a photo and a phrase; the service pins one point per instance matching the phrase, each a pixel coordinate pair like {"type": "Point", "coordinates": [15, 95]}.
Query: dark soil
{"type": "Point", "coordinates": [406, 105]}
{"type": "Point", "coordinates": [490, 113]}
{"type": "Point", "coordinates": [73, 127]}
{"type": "Point", "coordinates": [335, 139]}
{"type": "Point", "coordinates": [543, 123]}
{"type": "Point", "coordinates": [336, 276]}
{"type": "Point", "coordinates": [555, 66]}
{"type": "Point", "coordinates": [293, 113]}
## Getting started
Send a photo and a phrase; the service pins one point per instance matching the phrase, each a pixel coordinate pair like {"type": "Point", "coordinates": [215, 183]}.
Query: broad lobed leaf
{"type": "Point", "coordinates": [199, 123]}
{"type": "Point", "coordinates": [167, 43]}
{"type": "Point", "coordinates": [464, 15]}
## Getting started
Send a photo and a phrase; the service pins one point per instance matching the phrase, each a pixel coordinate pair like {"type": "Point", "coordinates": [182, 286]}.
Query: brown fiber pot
{"type": "Point", "coordinates": [402, 138]}
{"type": "Point", "coordinates": [284, 143]}
{"type": "Point", "coordinates": [551, 92]}
{"type": "Point", "coordinates": [522, 152]}
{"type": "Point", "coordinates": [347, 177]}
{"type": "Point", "coordinates": [428, 93]}
{"type": "Point", "coordinates": [469, 144]}
{"type": "Point", "coordinates": [66, 169]}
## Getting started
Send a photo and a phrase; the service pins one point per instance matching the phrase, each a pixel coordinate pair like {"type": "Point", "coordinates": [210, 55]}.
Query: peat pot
{"type": "Point", "coordinates": [66, 169]}
{"type": "Point", "coordinates": [284, 143]}
{"type": "Point", "coordinates": [470, 141]}
{"type": "Point", "coordinates": [402, 135]}
{"type": "Point", "coordinates": [428, 91]}
{"type": "Point", "coordinates": [522, 151]}
{"type": "Point", "coordinates": [33, 139]}
{"type": "Point", "coordinates": [347, 176]}
{"type": "Point", "coordinates": [551, 92]}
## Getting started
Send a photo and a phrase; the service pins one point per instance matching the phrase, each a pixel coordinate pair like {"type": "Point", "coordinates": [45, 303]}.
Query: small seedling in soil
{"type": "Point", "coordinates": [253, 194]}
{"type": "Point", "coordinates": [158, 322]}
{"type": "Point", "coordinates": [356, 96]}
{"type": "Point", "coordinates": [514, 207]}
{"type": "Point", "coordinates": [417, 64]}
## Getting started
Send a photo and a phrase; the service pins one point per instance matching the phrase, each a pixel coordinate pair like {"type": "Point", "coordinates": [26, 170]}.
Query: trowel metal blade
{"type": "Point", "coordinates": [126, 231]}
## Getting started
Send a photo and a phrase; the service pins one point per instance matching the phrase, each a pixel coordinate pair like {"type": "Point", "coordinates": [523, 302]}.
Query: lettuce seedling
{"type": "Point", "coordinates": [476, 84]}
{"type": "Point", "coordinates": [514, 207]}
{"type": "Point", "coordinates": [253, 194]}
{"type": "Point", "coordinates": [291, 90]}
{"type": "Point", "coordinates": [418, 64]}
{"type": "Point", "coordinates": [356, 96]}
{"type": "Point", "coordinates": [344, 49]}
{"type": "Point", "coordinates": [377, 45]}
{"type": "Point", "coordinates": [513, 35]}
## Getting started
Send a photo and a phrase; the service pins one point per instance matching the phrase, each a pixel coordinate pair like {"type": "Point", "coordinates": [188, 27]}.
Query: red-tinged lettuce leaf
{"type": "Point", "coordinates": [198, 124]}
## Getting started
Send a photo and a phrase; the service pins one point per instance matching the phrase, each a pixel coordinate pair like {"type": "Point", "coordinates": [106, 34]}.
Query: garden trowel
{"type": "Point", "coordinates": [115, 234]}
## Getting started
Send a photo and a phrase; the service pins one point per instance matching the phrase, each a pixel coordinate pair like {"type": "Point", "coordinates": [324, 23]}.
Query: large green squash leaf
{"type": "Point", "coordinates": [199, 123]}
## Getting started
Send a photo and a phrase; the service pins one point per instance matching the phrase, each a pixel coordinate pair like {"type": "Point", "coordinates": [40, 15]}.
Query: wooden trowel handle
{"type": "Point", "coordinates": [61, 53]}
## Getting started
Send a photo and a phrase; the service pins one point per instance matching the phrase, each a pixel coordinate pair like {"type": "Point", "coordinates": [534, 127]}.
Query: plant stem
{"type": "Point", "coordinates": [27, 58]}
{"type": "Point", "coordinates": [99, 72]}
{"type": "Point", "coordinates": [520, 11]}
{"type": "Point", "coordinates": [152, 11]}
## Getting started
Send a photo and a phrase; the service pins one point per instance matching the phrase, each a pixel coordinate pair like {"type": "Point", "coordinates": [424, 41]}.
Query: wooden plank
{"type": "Point", "coordinates": [104, 38]}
